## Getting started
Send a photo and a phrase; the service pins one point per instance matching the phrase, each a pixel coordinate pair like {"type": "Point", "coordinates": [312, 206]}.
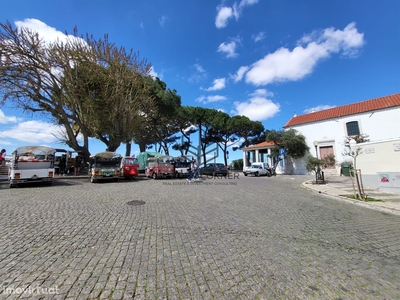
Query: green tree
{"type": "Point", "coordinates": [223, 132]}
{"type": "Point", "coordinates": [183, 123]}
{"type": "Point", "coordinates": [42, 78]}
{"type": "Point", "coordinates": [316, 164]}
{"type": "Point", "coordinates": [294, 143]}
{"type": "Point", "coordinates": [157, 123]}
{"type": "Point", "coordinates": [110, 95]}
{"type": "Point", "coordinates": [248, 131]}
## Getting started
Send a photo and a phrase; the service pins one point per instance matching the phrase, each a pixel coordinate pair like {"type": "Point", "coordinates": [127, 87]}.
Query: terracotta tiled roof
{"type": "Point", "coordinates": [346, 110]}
{"type": "Point", "coordinates": [260, 145]}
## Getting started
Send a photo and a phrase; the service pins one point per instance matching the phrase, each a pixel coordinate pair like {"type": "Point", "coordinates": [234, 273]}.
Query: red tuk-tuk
{"type": "Point", "coordinates": [163, 166]}
{"type": "Point", "coordinates": [129, 167]}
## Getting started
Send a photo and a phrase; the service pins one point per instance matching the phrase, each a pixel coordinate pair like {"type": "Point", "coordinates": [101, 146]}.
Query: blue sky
{"type": "Point", "coordinates": [259, 58]}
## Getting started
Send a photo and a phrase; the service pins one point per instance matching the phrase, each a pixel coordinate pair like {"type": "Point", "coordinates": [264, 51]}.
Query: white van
{"type": "Point", "coordinates": [31, 164]}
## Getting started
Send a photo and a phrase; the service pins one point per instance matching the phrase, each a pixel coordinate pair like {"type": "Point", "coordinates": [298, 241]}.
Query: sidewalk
{"type": "Point", "coordinates": [340, 187]}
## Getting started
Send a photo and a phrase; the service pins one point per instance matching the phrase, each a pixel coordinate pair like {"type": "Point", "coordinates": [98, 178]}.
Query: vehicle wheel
{"type": "Point", "coordinates": [245, 174]}
{"type": "Point", "coordinates": [13, 186]}
{"type": "Point", "coordinates": [257, 174]}
{"type": "Point", "coordinates": [154, 175]}
{"type": "Point", "coordinates": [115, 179]}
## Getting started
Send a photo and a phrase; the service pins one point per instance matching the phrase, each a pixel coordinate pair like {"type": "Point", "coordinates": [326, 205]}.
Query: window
{"type": "Point", "coordinates": [352, 128]}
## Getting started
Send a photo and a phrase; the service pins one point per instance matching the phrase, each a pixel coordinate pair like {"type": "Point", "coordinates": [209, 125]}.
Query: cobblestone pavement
{"type": "Point", "coordinates": [237, 238]}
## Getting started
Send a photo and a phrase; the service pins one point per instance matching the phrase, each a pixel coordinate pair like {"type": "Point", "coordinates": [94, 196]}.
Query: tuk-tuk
{"type": "Point", "coordinates": [149, 166]}
{"type": "Point", "coordinates": [104, 166]}
{"type": "Point", "coordinates": [182, 166]}
{"type": "Point", "coordinates": [164, 166]}
{"type": "Point", "coordinates": [144, 158]}
{"type": "Point", "coordinates": [31, 164]}
{"type": "Point", "coordinates": [129, 167]}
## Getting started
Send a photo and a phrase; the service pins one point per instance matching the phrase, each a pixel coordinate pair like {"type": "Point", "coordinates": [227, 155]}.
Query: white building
{"type": "Point", "coordinates": [325, 133]}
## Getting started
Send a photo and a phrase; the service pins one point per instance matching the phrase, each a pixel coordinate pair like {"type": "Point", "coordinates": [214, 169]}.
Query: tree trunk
{"type": "Point", "coordinates": [142, 147]}
{"type": "Point", "coordinates": [128, 148]}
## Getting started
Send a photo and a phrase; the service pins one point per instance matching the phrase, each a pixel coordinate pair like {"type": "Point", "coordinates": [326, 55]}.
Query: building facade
{"type": "Point", "coordinates": [326, 131]}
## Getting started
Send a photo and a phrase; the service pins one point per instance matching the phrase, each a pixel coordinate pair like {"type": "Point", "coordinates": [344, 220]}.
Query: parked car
{"type": "Point", "coordinates": [214, 169]}
{"type": "Point", "coordinates": [105, 165]}
{"type": "Point", "coordinates": [129, 167]}
{"type": "Point", "coordinates": [258, 169]}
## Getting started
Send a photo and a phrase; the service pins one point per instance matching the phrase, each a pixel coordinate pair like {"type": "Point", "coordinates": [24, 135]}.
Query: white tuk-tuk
{"type": "Point", "coordinates": [31, 164]}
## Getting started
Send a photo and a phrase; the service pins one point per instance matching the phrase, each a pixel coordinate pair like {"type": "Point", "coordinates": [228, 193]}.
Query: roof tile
{"type": "Point", "coordinates": [346, 110]}
{"type": "Point", "coordinates": [262, 144]}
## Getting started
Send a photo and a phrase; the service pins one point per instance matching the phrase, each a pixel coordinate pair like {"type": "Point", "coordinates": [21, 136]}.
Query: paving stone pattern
{"type": "Point", "coordinates": [241, 238]}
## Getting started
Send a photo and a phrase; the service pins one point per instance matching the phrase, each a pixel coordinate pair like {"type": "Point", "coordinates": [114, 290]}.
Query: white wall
{"type": "Point", "coordinates": [378, 160]}
{"type": "Point", "coordinates": [383, 156]}
{"type": "Point", "coordinates": [379, 125]}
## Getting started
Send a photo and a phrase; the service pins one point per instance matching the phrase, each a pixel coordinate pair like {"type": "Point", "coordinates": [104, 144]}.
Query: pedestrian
{"type": "Point", "coordinates": [78, 164]}
{"type": "Point", "coordinates": [3, 157]}
{"type": "Point", "coordinates": [191, 171]}
{"type": "Point", "coordinates": [62, 165]}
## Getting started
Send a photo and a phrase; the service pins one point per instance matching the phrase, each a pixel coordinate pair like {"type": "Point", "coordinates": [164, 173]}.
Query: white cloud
{"type": "Point", "coordinates": [244, 3]}
{"type": "Point", "coordinates": [210, 99]}
{"type": "Point", "coordinates": [292, 65]}
{"type": "Point", "coordinates": [199, 73]}
{"type": "Point", "coordinates": [225, 12]}
{"type": "Point", "coordinates": [153, 73]}
{"type": "Point", "coordinates": [318, 108]}
{"type": "Point", "coordinates": [162, 21]}
{"type": "Point", "coordinates": [219, 84]}
{"type": "Point", "coordinates": [47, 33]}
{"type": "Point", "coordinates": [258, 107]}
{"type": "Point", "coordinates": [259, 36]}
{"type": "Point", "coordinates": [7, 119]}
{"type": "Point", "coordinates": [33, 132]}
{"type": "Point", "coordinates": [262, 93]}
{"type": "Point", "coordinates": [240, 73]}
{"type": "Point", "coordinates": [229, 48]}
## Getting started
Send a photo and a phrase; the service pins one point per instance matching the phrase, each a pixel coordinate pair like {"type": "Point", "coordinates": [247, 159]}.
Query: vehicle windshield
{"type": "Point", "coordinates": [165, 159]}
{"type": "Point", "coordinates": [255, 166]}
{"type": "Point", "coordinates": [131, 161]}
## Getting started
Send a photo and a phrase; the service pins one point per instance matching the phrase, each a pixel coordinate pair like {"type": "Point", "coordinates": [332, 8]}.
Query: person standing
{"type": "Point", "coordinates": [191, 171]}
{"type": "Point", "coordinates": [78, 164]}
{"type": "Point", "coordinates": [3, 157]}
{"type": "Point", "coordinates": [62, 165]}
